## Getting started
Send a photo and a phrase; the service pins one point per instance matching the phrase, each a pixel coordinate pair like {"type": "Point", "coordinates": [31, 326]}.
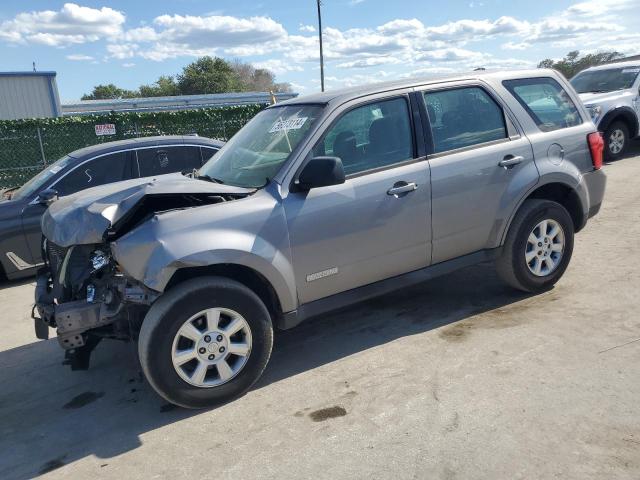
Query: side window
{"type": "Point", "coordinates": [99, 171]}
{"type": "Point", "coordinates": [546, 102]}
{"type": "Point", "coordinates": [161, 160]}
{"type": "Point", "coordinates": [371, 136]}
{"type": "Point", "coordinates": [463, 117]}
{"type": "Point", "coordinates": [207, 153]}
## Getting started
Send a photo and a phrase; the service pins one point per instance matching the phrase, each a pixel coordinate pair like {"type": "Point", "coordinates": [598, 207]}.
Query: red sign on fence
{"type": "Point", "coordinates": [106, 129]}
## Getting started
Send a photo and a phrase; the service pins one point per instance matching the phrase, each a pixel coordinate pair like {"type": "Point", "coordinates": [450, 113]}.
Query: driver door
{"type": "Point", "coordinates": [377, 224]}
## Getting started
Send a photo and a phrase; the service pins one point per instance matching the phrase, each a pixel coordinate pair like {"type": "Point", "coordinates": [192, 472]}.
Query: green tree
{"type": "Point", "coordinates": [110, 91]}
{"type": "Point", "coordinates": [257, 79]}
{"type": "Point", "coordinates": [208, 75]}
{"type": "Point", "coordinates": [573, 63]}
{"type": "Point", "coordinates": [165, 86]}
{"type": "Point", "coordinates": [205, 75]}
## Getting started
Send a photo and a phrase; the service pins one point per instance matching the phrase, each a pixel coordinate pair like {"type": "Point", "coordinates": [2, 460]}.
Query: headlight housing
{"type": "Point", "coordinates": [595, 111]}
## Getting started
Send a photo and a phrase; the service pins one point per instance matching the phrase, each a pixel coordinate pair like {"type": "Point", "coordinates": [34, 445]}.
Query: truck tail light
{"type": "Point", "coordinates": [596, 146]}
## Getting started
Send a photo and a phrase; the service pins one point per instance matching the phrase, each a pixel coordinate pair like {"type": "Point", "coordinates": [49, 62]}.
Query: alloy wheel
{"type": "Point", "coordinates": [616, 141]}
{"type": "Point", "coordinates": [545, 247]}
{"type": "Point", "coordinates": [211, 347]}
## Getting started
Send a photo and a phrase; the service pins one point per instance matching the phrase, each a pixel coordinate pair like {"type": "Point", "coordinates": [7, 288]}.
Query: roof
{"type": "Point", "coordinates": [118, 145]}
{"type": "Point", "coordinates": [345, 94]}
{"type": "Point", "coordinates": [608, 66]}
{"type": "Point", "coordinates": [27, 74]}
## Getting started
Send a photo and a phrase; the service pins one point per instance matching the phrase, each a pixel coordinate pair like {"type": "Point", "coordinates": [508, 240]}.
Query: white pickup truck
{"type": "Point", "coordinates": [611, 93]}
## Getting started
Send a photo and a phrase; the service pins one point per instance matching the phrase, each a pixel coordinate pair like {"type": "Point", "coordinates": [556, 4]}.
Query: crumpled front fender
{"type": "Point", "coordinates": [155, 250]}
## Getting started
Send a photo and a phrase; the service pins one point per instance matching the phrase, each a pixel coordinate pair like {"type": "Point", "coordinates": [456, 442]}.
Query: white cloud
{"type": "Point", "coordinates": [72, 24]}
{"type": "Point", "coordinates": [598, 8]}
{"type": "Point", "coordinates": [307, 28]}
{"type": "Point", "coordinates": [465, 30]}
{"type": "Point", "coordinates": [278, 66]}
{"type": "Point", "coordinates": [140, 34]}
{"type": "Point", "coordinates": [128, 65]}
{"type": "Point", "coordinates": [122, 51]}
{"type": "Point", "coordinates": [79, 57]}
{"type": "Point", "coordinates": [219, 31]}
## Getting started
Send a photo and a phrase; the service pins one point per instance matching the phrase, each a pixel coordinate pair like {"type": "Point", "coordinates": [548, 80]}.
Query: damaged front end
{"type": "Point", "coordinates": [83, 295]}
{"type": "Point", "coordinates": [81, 291]}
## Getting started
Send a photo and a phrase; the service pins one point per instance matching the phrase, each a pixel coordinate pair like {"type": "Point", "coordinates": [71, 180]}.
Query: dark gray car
{"type": "Point", "coordinates": [21, 210]}
{"type": "Point", "coordinates": [315, 204]}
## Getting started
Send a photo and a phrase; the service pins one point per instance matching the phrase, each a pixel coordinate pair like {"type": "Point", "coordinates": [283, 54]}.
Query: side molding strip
{"type": "Point", "coordinates": [21, 264]}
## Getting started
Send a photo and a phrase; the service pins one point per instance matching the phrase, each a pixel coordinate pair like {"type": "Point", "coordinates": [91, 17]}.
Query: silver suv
{"type": "Point", "coordinates": [315, 204]}
{"type": "Point", "coordinates": [611, 94]}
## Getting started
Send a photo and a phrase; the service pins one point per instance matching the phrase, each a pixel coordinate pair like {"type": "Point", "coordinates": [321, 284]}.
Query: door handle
{"type": "Point", "coordinates": [402, 187]}
{"type": "Point", "coordinates": [510, 161]}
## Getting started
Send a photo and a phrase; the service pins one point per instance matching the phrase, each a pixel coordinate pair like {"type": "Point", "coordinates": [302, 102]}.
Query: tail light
{"type": "Point", "coordinates": [596, 146]}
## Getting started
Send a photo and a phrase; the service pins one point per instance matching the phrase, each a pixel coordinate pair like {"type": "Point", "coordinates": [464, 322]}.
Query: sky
{"type": "Point", "coordinates": [133, 42]}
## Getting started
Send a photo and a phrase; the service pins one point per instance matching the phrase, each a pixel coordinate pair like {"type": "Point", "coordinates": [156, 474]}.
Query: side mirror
{"type": "Point", "coordinates": [320, 172]}
{"type": "Point", "coordinates": [47, 197]}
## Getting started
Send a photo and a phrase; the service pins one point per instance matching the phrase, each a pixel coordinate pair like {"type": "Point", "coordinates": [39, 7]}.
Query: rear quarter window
{"type": "Point", "coordinates": [546, 102]}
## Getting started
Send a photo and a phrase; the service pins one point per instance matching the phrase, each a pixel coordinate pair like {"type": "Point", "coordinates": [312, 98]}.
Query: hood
{"type": "Point", "coordinates": [100, 213]}
{"type": "Point", "coordinates": [589, 98]}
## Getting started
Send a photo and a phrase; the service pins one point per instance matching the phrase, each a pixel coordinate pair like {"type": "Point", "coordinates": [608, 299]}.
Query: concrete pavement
{"type": "Point", "coordinates": [458, 378]}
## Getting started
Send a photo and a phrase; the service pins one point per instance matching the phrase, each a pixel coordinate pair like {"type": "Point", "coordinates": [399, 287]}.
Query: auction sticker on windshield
{"type": "Point", "coordinates": [290, 124]}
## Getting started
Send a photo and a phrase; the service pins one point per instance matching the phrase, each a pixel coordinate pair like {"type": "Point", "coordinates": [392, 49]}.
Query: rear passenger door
{"type": "Point", "coordinates": [168, 159]}
{"type": "Point", "coordinates": [480, 166]}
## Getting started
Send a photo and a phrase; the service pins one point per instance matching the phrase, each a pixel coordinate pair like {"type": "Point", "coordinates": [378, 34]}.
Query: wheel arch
{"type": "Point", "coordinates": [624, 114]}
{"type": "Point", "coordinates": [560, 192]}
{"type": "Point", "coordinates": [247, 276]}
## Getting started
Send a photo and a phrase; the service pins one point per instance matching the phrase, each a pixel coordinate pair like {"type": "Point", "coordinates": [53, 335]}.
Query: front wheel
{"type": "Point", "coordinates": [538, 247]}
{"type": "Point", "coordinates": [616, 140]}
{"type": "Point", "coordinates": [205, 342]}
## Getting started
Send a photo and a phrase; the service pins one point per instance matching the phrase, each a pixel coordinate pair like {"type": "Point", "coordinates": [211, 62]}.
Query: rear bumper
{"type": "Point", "coordinates": [595, 183]}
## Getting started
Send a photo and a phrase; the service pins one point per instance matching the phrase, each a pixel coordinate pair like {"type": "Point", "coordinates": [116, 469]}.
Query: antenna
{"type": "Point", "coordinates": [34, 66]}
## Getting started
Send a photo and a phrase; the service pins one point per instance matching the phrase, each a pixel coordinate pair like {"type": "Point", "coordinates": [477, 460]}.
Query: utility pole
{"type": "Point", "coordinates": [321, 53]}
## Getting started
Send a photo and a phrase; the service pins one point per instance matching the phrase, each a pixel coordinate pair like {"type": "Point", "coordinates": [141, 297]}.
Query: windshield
{"type": "Point", "coordinates": [597, 81]}
{"type": "Point", "coordinates": [255, 154]}
{"type": "Point", "coordinates": [41, 178]}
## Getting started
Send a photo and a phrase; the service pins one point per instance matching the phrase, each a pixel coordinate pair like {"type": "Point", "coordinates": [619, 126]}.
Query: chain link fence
{"type": "Point", "coordinates": [28, 146]}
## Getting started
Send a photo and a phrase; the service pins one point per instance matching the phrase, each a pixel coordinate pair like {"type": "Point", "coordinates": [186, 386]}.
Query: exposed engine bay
{"type": "Point", "coordinates": [81, 291]}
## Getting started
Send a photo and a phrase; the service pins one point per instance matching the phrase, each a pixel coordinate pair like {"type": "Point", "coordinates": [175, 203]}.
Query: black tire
{"type": "Point", "coordinates": [621, 129]}
{"type": "Point", "coordinates": [512, 266]}
{"type": "Point", "coordinates": [175, 307]}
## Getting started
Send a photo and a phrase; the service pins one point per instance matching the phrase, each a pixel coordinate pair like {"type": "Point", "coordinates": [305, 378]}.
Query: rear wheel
{"type": "Point", "coordinates": [538, 247]}
{"type": "Point", "coordinates": [205, 342]}
{"type": "Point", "coordinates": [616, 139]}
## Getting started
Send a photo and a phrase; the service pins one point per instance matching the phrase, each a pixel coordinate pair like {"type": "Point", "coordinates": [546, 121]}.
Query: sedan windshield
{"type": "Point", "coordinates": [255, 154]}
{"type": "Point", "coordinates": [597, 81]}
{"type": "Point", "coordinates": [33, 185]}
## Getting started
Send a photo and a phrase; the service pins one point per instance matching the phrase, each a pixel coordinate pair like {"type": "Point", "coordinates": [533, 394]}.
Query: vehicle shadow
{"type": "Point", "coordinates": [50, 416]}
{"type": "Point", "coordinates": [4, 283]}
